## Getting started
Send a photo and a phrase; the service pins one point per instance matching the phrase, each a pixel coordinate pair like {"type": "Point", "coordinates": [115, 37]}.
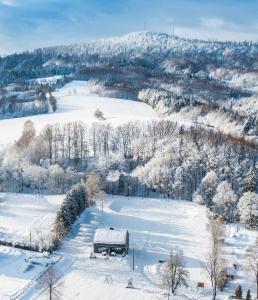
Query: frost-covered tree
{"type": "Point", "coordinates": [174, 273]}
{"type": "Point", "coordinates": [225, 201]}
{"type": "Point", "coordinates": [99, 114]}
{"type": "Point", "coordinates": [73, 205]}
{"type": "Point", "coordinates": [53, 102]}
{"type": "Point", "coordinates": [207, 188]}
{"type": "Point", "coordinates": [248, 210]}
{"type": "Point", "coordinates": [57, 178]}
{"type": "Point", "coordinates": [214, 264]}
{"type": "Point", "coordinates": [94, 188]}
{"type": "Point", "coordinates": [51, 286]}
{"type": "Point", "coordinates": [250, 123]}
{"type": "Point", "coordinates": [28, 134]}
{"type": "Point", "coordinates": [253, 265]}
{"type": "Point", "coordinates": [250, 180]}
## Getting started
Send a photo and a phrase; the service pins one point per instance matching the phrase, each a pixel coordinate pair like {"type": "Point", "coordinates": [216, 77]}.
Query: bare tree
{"type": "Point", "coordinates": [53, 102]}
{"type": "Point", "coordinates": [215, 265]}
{"type": "Point", "coordinates": [28, 134]}
{"type": "Point", "coordinates": [49, 283]}
{"type": "Point", "coordinates": [49, 138]}
{"type": "Point", "coordinates": [94, 189]}
{"type": "Point", "coordinates": [174, 273]}
{"type": "Point", "coordinates": [217, 232]}
{"type": "Point", "coordinates": [253, 265]}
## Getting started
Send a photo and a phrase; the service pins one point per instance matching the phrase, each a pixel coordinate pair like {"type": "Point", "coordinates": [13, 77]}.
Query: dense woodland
{"type": "Point", "coordinates": [153, 158]}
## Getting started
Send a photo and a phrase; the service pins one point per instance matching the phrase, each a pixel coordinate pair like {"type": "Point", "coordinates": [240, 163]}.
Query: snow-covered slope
{"type": "Point", "coordinates": [15, 276]}
{"type": "Point", "coordinates": [155, 227]}
{"type": "Point", "coordinates": [27, 216]}
{"type": "Point", "coordinates": [76, 103]}
{"type": "Point", "coordinates": [137, 43]}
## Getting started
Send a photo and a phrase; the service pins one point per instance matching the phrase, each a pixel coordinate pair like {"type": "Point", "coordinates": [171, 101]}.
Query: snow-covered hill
{"type": "Point", "coordinates": [77, 103]}
{"type": "Point", "coordinates": [137, 43]}
{"type": "Point", "coordinates": [182, 72]}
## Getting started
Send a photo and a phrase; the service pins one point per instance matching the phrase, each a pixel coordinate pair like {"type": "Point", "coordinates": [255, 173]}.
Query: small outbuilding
{"type": "Point", "coordinates": [111, 240]}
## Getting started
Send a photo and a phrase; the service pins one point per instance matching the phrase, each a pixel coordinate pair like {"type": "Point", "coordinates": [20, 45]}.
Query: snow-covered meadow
{"type": "Point", "coordinates": [155, 226]}
{"type": "Point", "coordinates": [19, 269]}
{"type": "Point", "coordinates": [77, 102]}
{"type": "Point", "coordinates": [24, 217]}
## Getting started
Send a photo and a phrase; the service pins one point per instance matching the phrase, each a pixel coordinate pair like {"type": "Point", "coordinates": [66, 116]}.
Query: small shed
{"type": "Point", "coordinates": [111, 240]}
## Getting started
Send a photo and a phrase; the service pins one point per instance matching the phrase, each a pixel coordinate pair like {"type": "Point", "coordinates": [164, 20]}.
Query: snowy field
{"type": "Point", "coordinates": [21, 214]}
{"type": "Point", "coordinates": [155, 227]}
{"type": "Point", "coordinates": [76, 103]}
{"type": "Point", "coordinates": [16, 275]}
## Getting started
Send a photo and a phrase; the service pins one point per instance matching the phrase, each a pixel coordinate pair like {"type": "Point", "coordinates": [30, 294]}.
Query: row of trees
{"type": "Point", "coordinates": [14, 107]}
{"type": "Point", "coordinates": [138, 158]}
{"type": "Point", "coordinates": [78, 198]}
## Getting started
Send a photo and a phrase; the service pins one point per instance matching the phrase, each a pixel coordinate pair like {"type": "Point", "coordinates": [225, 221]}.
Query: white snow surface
{"type": "Point", "coordinates": [155, 226]}
{"type": "Point", "coordinates": [108, 236]}
{"type": "Point", "coordinates": [13, 275]}
{"type": "Point", "coordinates": [24, 214]}
{"type": "Point", "coordinates": [76, 103]}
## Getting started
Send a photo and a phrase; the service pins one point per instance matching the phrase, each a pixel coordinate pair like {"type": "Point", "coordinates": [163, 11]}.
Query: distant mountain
{"type": "Point", "coordinates": [161, 51]}
{"type": "Point", "coordinates": [167, 72]}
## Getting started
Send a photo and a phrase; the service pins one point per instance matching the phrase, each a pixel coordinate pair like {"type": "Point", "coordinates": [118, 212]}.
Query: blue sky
{"type": "Point", "coordinates": [27, 24]}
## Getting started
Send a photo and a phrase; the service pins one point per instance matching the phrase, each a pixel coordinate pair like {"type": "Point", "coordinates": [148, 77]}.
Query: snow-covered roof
{"type": "Point", "coordinates": [110, 236]}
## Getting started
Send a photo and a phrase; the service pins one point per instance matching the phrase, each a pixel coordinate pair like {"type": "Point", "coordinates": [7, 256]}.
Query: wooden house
{"type": "Point", "coordinates": [111, 240]}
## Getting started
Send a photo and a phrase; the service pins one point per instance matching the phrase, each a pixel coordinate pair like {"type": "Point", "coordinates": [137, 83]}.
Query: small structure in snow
{"type": "Point", "coordinates": [111, 240]}
{"type": "Point", "coordinates": [130, 283]}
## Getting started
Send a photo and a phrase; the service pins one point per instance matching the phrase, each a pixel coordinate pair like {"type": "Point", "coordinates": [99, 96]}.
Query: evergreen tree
{"type": "Point", "coordinates": [248, 295]}
{"type": "Point", "coordinates": [248, 210]}
{"type": "Point", "coordinates": [250, 181]}
{"type": "Point", "coordinates": [238, 292]}
{"type": "Point", "coordinates": [225, 201]}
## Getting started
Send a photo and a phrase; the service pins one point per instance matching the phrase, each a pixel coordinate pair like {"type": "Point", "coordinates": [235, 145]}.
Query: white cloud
{"type": "Point", "coordinates": [212, 22]}
{"type": "Point", "coordinates": [7, 2]}
{"type": "Point", "coordinates": [222, 34]}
